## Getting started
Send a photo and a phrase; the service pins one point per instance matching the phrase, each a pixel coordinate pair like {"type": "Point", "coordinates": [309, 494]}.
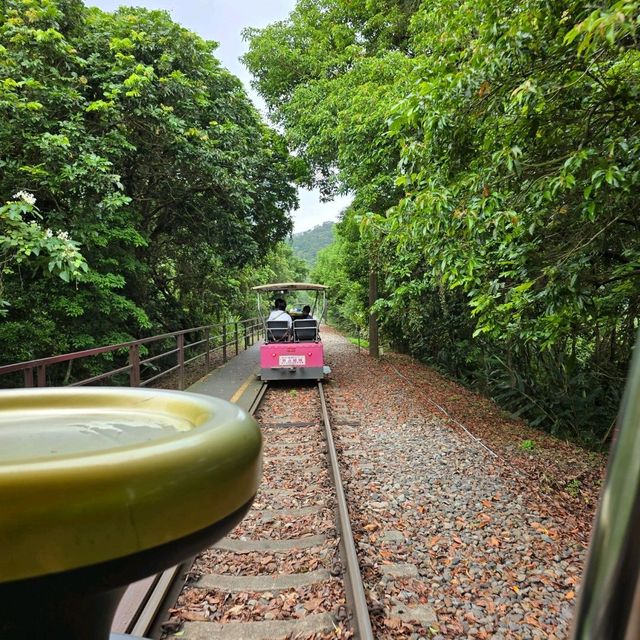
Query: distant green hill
{"type": "Point", "coordinates": [306, 244]}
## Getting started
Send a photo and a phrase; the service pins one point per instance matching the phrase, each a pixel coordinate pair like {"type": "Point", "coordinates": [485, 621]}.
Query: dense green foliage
{"type": "Point", "coordinates": [307, 244]}
{"type": "Point", "coordinates": [494, 152]}
{"type": "Point", "coordinates": [330, 75]}
{"type": "Point", "coordinates": [145, 155]}
{"type": "Point", "coordinates": [344, 267]}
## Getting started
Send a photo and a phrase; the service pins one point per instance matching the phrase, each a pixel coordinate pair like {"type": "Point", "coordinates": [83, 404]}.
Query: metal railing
{"type": "Point", "coordinates": [139, 363]}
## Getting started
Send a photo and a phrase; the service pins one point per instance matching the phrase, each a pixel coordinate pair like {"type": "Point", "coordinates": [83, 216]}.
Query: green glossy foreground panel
{"type": "Point", "coordinates": [93, 474]}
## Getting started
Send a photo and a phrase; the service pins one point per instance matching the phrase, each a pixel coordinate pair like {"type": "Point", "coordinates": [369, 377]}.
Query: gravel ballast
{"type": "Point", "coordinates": [460, 532]}
{"type": "Point", "coordinates": [443, 523]}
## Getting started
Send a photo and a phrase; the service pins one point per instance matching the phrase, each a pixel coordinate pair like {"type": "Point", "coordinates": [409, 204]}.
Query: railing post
{"type": "Point", "coordinates": [28, 377]}
{"type": "Point", "coordinates": [236, 332]}
{"type": "Point", "coordinates": [207, 356]}
{"type": "Point", "coordinates": [224, 342]}
{"type": "Point", "coordinates": [42, 375]}
{"type": "Point", "coordinates": [134, 363]}
{"type": "Point", "coordinates": [245, 333]}
{"type": "Point", "coordinates": [180, 341]}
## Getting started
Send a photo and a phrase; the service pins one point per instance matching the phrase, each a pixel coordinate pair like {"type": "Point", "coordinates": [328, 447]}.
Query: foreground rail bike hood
{"type": "Point", "coordinates": [90, 475]}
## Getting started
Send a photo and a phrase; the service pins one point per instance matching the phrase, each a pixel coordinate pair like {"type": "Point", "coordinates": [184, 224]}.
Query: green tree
{"type": "Point", "coordinates": [343, 266]}
{"type": "Point", "coordinates": [280, 264]}
{"type": "Point", "coordinates": [520, 148]}
{"type": "Point", "coordinates": [306, 244]}
{"type": "Point", "coordinates": [493, 152]}
{"type": "Point", "coordinates": [140, 145]}
{"type": "Point", "coordinates": [24, 242]}
{"type": "Point", "coordinates": [329, 75]}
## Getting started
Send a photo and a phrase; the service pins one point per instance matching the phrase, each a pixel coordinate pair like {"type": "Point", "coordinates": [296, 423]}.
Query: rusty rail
{"type": "Point", "coordinates": [217, 338]}
{"type": "Point", "coordinates": [144, 605]}
{"type": "Point", "coordinates": [354, 588]}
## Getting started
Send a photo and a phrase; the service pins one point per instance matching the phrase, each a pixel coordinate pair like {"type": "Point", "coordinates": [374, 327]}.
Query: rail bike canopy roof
{"type": "Point", "coordinates": [290, 286]}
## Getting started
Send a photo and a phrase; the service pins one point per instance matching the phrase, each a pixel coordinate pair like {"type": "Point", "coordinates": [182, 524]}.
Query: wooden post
{"type": "Point", "coordinates": [180, 340]}
{"type": "Point", "coordinates": [42, 375]}
{"type": "Point", "coordinates": [374, 349]}
{"type": "Point", "coordinates": [224, 342]}
{"type": "Point", "coordinates": [134, 363]}
{"type": "Point", "coordinates": [28, 377]}
{"type": "Point", "coordinates": [207, 355]}
{"type": "Point", "coordinates": [237, 343]}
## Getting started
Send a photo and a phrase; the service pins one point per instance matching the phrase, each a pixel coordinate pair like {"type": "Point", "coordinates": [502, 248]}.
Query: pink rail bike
{"type": "Point", "coordinates": [292, 351]}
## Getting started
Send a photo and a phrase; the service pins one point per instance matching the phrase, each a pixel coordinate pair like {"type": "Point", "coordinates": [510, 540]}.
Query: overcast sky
{"type": "Point", "coordinates": [223, 21]}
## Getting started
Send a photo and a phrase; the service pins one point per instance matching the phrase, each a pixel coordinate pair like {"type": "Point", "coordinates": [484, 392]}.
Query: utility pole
{"type": "Point", "coordinates": [374, 349]}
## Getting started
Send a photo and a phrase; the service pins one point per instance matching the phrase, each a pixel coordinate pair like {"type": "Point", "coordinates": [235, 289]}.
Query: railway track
{"type": "Point", "coordinates": [291, 563]}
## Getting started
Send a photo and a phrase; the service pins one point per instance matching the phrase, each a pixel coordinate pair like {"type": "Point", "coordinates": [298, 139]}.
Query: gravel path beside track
{"type": "Point", "coordinates": [453, 543]}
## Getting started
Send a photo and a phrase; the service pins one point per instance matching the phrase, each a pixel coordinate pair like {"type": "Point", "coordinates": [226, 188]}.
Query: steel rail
{"type": "Point", "coordinates": [353, 580]}
{"type": "Point", "coordinates": [148, 601]}
{"type": "Point", "coordinates": [253, 407]}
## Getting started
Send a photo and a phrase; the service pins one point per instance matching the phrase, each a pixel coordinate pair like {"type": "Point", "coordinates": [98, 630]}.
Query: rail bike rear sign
{"type": "Point", "coordinates": [292, 361]}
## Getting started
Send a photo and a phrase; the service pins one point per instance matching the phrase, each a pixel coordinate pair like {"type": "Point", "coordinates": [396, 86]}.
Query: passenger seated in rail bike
{"type": "Point", "coordinates": [277, 331]}
{"type": "Point", "coordinates": [306, 313]}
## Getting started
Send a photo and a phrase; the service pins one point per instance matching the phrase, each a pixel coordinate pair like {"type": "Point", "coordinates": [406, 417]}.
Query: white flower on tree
{"type": "Point", "coordinates": [25, 196]}
{"type": "Point", "coordinates": [26, 241]}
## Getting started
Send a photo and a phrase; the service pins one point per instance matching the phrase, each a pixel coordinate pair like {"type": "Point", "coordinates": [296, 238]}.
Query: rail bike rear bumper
{"type": "Point", "coordinates": [292, 361]}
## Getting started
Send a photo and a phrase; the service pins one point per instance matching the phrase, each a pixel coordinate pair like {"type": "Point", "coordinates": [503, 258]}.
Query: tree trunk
{"type": "Point", "coordinates": [373, 322]}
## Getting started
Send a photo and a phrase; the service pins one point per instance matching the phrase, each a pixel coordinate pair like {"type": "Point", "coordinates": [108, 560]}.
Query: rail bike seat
{"type": "Point", "coordinates": [305, 330]}
{"type": "Point", "coordinates": [278, 331]}
{"type": "Point", "coordinates": [101, 487]}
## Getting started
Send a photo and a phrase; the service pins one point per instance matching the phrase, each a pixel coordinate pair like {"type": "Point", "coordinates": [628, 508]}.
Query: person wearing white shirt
{"type": "Point", "coordinates": [279, 312]}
